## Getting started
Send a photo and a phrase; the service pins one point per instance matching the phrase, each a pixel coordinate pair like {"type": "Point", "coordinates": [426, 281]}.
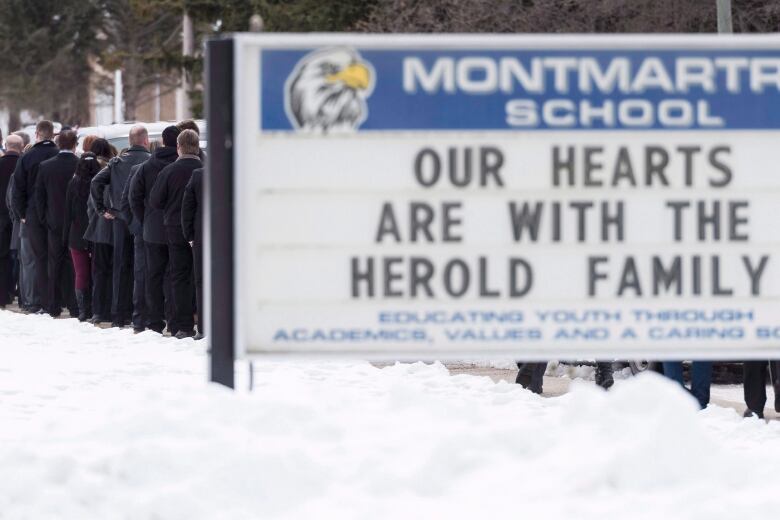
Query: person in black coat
{"type": "Point", "coordinates": [13, 146]}
{"type": "Point", "coordinates": [100, 233]}
{"type": "Point", "coordinates": [75, 222]}
{"type": "Point", "coordinates": [531, 375]}
{"type": "Point", "coordinates": [115, 178]}
{"type": "Point", "coordinates": [16, 283]}
{"type": "Point", "coordinates": [755, 376]}
{"type": "Point", "coordinates": [167, 195]}
{"type": "Point", "coordinates": [139, 318]}
{"type": "Point", "coordinates": [24, 264]}
{"type": "Point", "coordinates": [159, 299]}
{"type": "Point", "coordinates": [33, 232]}
{"type": "Point", "coordinates": [50, 191]}
{"type": "Point", "coordinates": [192, 227]}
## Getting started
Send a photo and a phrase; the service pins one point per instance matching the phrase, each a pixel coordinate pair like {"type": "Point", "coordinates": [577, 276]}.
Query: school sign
{"type": "Point", "coordinates": [443, 196]}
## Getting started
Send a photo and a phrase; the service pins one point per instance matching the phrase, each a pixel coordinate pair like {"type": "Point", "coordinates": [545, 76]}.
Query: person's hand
{"type": "Point", "coordinates": [108, 216]}
{"type": "Point", "coordinates": [191, 243]}
{"type": "Point", "coordinates": [24, 221]}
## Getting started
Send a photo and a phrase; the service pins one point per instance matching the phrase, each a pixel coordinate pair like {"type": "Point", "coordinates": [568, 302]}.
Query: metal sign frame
{"type": "Point", "coordinates": [224, 88]}
{"type": "Point", "coordinates": [218, 254]}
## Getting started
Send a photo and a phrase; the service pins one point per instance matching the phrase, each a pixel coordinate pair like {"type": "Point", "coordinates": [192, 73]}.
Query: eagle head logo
{"type": "Point", "coordinates": [327, 91]}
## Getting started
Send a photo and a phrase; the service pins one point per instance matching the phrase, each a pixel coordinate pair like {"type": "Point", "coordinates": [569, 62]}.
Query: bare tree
{"type": "Point", "coordinates": [571, 16]}
{"type": "Point", "coordinates": [143, 39]}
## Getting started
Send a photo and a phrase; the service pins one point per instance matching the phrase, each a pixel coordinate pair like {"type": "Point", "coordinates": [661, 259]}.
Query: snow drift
{"type": "Point", "coordinates": [106, 424]}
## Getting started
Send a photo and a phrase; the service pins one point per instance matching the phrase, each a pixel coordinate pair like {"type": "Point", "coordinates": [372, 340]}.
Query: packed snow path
{"type": "Point", "coordinates": [101, 423]}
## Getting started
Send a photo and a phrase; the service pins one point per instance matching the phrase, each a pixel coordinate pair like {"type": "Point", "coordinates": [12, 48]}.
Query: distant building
{"type": "Point", "coordinates": [155, 103]}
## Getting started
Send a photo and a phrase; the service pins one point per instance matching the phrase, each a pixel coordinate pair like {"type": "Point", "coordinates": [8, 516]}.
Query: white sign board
{"type": "Point", "coordinates": [537, 197]}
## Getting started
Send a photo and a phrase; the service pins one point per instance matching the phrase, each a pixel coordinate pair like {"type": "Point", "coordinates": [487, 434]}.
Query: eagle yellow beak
{"type": "Point", "coordinates": [356, 76]}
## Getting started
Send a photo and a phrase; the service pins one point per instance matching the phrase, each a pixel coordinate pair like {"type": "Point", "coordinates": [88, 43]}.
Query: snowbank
{"type": "Point", "coordinates": [104, 424]}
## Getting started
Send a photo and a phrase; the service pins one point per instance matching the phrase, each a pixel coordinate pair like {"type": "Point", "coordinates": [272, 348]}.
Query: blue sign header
{"type": "Point", "coordinates": [346, 89]}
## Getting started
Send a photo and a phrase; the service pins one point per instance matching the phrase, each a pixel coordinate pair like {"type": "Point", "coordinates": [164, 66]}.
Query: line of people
{"type": "Point", "coordinates": [108, 236]}
{"type": "Point", "coordinates": [117, 237]}
{"type": "Point", "coordinates": [755, 375]}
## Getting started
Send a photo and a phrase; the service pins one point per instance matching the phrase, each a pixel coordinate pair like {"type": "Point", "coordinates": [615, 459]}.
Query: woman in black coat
{"type": "Point", "coordinates": [99, 232]}
{"type": "Point", "coordinates": [76, 221]}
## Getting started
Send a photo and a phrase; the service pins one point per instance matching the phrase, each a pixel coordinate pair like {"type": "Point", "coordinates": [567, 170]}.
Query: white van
{"type": "Point", "coordinates": [116, 134]}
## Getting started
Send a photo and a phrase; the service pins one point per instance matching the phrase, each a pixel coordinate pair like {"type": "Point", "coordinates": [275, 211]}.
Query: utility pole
{"type": "Point", "coordinates": [183, 106]}
{"type": "Point", "coordinates": [118, 113]}
{"type": "Point", "coordinates": [724, 17]}
{"type": "Point", "coordinates": [157, 107]}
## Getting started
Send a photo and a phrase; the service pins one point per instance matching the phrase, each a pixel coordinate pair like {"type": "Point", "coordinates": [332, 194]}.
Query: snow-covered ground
{"type": "Point", "coordinates": [102, 424]}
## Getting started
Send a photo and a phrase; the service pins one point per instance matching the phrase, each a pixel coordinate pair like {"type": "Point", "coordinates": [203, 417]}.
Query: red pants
{"type": "Point", "coordinates": [82, 261]}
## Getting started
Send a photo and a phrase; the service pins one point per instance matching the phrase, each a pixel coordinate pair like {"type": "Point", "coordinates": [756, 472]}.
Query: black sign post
{"type": "Point", "coordinates": [218, 212]}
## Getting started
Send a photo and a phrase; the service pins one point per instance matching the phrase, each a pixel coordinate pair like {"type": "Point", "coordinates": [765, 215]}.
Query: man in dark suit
{"type": "Point", "coordinates": [113, 180]}
{"type": "Point", "coordinates": [531, 375]}
{"type": "Point", "coordinates": [167, 195]}
{"type": "Point", "coordinates": [13, 149]}
{"type": "Point", "coordinates": [755, 376]}
{"type": "Point", "coordinates": [50, 191]}
{"type": "Point", "coordinates": [192, 226]}
{"type": "Point", "coordinates": [33, 232]}
{"type": "Point", "coordinates": [140, 319]}
{"type": "Point", "coordinates": [158, 293]}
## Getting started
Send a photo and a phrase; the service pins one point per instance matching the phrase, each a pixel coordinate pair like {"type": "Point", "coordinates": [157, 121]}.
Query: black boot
{"type": "Point", "coordinates": [604, 375]}
{"type": "Point", "coordinates": [88, 303]}
{"type": "Point", "coordinates": [774, 377]}
{"type": "Point", "coordinates": [776, 388]}
{"type": "Point", "coordinates": [523, 380]}
{"type": "Point", "coordinates": [82, 300]}
{"type": "Point", "coordinates": [119, 322]}
{"type": "Point", "coordinates": [531, 376]}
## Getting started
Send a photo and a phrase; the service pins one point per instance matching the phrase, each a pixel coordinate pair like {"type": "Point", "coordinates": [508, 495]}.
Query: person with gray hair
{"type": "Point", "coordinates": [167, 195]}
{"type": "Point", "coordinates": [25, 137]}
{"type": "Point", "coordinates": [13, 150]}
{"type": "Point", "coordinates": [14, 143]}
{"type": "Point", "coordinates": [159, 299]}
{"type": "Point", "coordinates": [192, 225]}
{"type": "Point", "coordinates": [17, 284]}
{"type": "Point", "coordinates": [115, 177]}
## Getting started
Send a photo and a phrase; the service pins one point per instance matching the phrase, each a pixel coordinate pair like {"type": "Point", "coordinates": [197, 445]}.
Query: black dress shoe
{"type": "Point", "coordinates": [606, 382]}
{"type": "Point", "coordinates": [753, 413]}
{"type": "Point", "coordinates": [184, 334]}
{"type": "Point", "coordinates": [526, 381]}
{"type": "Point", "coordinates": [199, 336]}
{"type": "Point", "coordinates": [604, 376]}
{"type": "Point", "coordinates": [523, 380]}
{"type": "Point", "coordinates": [138, 330]}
